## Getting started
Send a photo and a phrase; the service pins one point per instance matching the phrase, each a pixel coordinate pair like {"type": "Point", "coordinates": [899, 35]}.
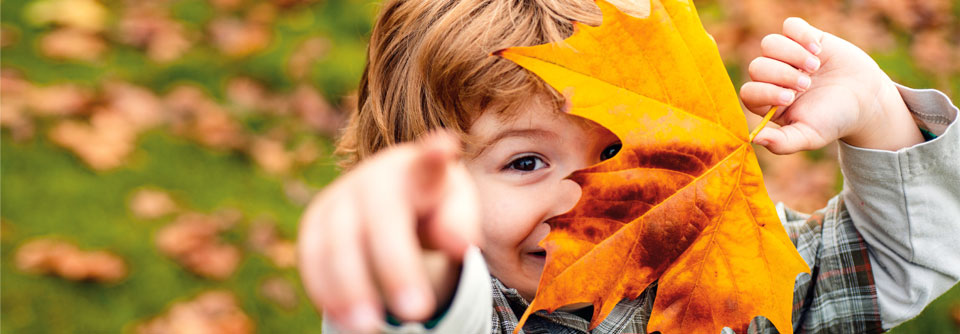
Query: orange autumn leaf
{"type": "Point", "coordinates": [683, 202]}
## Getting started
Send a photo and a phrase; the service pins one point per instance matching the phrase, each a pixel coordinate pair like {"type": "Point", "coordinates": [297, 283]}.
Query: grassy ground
{"type": "Point", "coordinates": [47, 192]}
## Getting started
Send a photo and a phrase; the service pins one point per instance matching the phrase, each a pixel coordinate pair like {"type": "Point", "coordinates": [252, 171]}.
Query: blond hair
{"type": "Point", "coordinates": [429, 65]}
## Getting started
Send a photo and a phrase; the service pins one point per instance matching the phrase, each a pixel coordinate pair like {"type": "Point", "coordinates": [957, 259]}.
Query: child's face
{"type": "Point", "coordinates": [520, 176]}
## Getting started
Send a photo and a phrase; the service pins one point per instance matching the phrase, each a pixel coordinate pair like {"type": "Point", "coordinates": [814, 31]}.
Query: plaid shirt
{"type": "Point", "coordinates": [839, 296]}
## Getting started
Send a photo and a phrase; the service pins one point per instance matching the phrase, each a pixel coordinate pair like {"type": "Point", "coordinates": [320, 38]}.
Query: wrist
{"type": "Point", "coordinates": [444, 274]}
{"type": "Point", "coordinates": [886, 122]}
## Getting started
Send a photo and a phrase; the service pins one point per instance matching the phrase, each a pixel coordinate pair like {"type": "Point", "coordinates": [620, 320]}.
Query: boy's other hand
{"type": "Point", "coordinates": [390, 235]}
{"type": "Point", "coordinates": [827, 89]}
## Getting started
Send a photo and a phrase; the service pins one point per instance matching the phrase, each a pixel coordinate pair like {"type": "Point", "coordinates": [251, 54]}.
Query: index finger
{"type": "Point", "coordinates": [391, 238]}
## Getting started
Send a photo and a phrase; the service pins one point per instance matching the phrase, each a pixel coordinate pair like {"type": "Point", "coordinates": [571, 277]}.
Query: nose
{"type": "Point", "coordinates": [567, 196]}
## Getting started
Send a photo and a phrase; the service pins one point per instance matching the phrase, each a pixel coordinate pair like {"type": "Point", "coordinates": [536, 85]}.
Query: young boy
{"type": "Point", "coordinates": [393, 234]}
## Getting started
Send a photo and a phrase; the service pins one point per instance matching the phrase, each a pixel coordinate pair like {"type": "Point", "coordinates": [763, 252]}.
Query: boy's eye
{"type": "Point", "coordinates": [527, 163]}
{"type": "Point", "coordinates": [610, 151]}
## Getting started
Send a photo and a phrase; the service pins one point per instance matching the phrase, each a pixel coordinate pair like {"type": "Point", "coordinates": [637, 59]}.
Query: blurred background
{"type": "Point", "coordinates": [156, 155]}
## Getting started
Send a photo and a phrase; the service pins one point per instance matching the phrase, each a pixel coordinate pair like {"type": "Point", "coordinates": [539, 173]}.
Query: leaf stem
{"type": "Point", "coordinates": [766, 119]}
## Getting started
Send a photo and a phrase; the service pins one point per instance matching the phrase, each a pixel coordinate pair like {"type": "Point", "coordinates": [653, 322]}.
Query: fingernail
{"type": "Point", "coordinates": [814, 48]}
{"type": "Point", "coordinates": [410, 303]}
{"type": "Point", "coordinates": [761, 142]}
{"type": "Point", "coordinates": [812, 64]}
{"type": "Point", "coordinates": [786, 97]}
{"type": "Point", "coordinates": [363, 318]}
{"type": "Point", "coordinates": [803, 82]}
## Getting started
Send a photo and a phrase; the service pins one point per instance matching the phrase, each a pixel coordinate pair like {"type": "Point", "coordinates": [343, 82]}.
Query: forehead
{"type": "Point", "coordinates": [534, 111]}
{"type": "Point", "coordinates": [538, 117]}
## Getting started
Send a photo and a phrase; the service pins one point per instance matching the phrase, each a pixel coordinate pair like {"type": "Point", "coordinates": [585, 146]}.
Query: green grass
{"type": "Point", "coordinates": [47, 192]}
{"type": "Point", "coordinates": [936, 317]}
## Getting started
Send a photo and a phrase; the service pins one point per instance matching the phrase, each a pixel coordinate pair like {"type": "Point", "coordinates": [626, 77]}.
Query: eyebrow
{"type": "Point", "coordinates": [528, 133]}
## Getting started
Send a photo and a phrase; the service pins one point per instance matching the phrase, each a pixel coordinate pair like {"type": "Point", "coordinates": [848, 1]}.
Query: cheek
{"type": "Point", "coordinates": [509, 216]}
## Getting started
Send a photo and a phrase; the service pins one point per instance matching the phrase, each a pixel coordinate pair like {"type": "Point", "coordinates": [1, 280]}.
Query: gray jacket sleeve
{"type": "Point", "coordinates": [906, 205]}
{"type": "Point", "coordinates": [469, 313]}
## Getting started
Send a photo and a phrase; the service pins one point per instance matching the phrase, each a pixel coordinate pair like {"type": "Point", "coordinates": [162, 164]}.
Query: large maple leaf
{"type": "Point", "coordinates": [683, 202]}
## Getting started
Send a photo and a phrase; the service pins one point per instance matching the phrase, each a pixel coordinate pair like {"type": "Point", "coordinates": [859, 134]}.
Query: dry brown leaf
{"type": "Point", "coordinates": [262, 13]}
{"type": "Point", "coordinates": [88, 15]}
{"type": "Point", "coordinates": [193, 241]}
{"type": "Point", "coordinates": [279, 291]}
{"type": "Point", "coordinates": [103, 144]}
{"type": "Point", "coordinates": [58, 100]}
{"type": "Point", "coordinates": [14, 116]}
{"type": "Point", "coordinates": [246, 93]}
{"type": "Point", "coordinates": [237, 38]}
{"type": "Point", "coordinates": [151, 204]}
{"type": "Point", "coordinates": [271, 155]}
{"type": "Point", "coordinates": [298, 192]}
{"type": "Point", "coordinates": [195, 116]}
{"type": "Point", "coordinates": [315, 111]}
{"type": "Point", "coordinates": [306, 55]}
{"type": "Point", "coordinates": [263, 237]}
{"type": "Point", "coordinates": [283, 254]}
{"type": "Point", "coordinates": [61, 258]}
{"type": "Point", "coordinates": [212, 312]}
{"type": "Point", "coordinates": [262, 234]}
{"type": "Point", "coordinates": [142, 109]}
{"type": "Point", "coordinates": [934, 53]}
{"type": "Point", "coordinates": [148, 25]}
{"type": "Point", "coordinates": [72, 44]}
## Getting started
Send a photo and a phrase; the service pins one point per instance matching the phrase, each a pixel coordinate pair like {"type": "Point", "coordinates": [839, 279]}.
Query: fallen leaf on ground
{"type": "Point", "coordinates": [306, 55]}
{"type": "Point", "coordinates": [195, 116]}
{"type": "Point", "coordinates": [151, 204]}
{"type": "Point", "coordinates": [315, 111]}
{"type": "Point", "coordinates": [298, 192]}
{"type": "Point", "coordinates": [263, 237]}
{"type": "Point", "coordinates": [246, 93]}
{"type": "Point", "coordinates": [61, 258]}
{"type": "Point", "coordinates": [193, 240]}
{"type": "Point", "coordinates": [103, 143]}
{"type": "Point", "coordinates": [262, 234]}
{"type": "Point", "coordinates": [279, 291]}
{"type": "Point", "coordinates": [13, 105]}
{"type": "Point", "coordinates": [142, 109]}
{"type": "Point", "coordinates": [72, 44]}
{"type": "Point", "coordinates": [283, 254]}
{"type": "Point", "coordinates": [148, 25]}
{"type": "Point", "coordinates": [262, 13]}
{"type": "Point", "coordinates": [271, 155]}
{"type": "Point", "coordinates": [58, 100]}
{"type": "Point", "coordinates": [88, 15]}
{"type": "Point", "coordinates": [933, 52]}
{"type": "Point", "coordinates": [213, 312]}
{"type": "Point", "coordinates": [238, 38]}
{"type": "Point", "coordinates": [683, 202]}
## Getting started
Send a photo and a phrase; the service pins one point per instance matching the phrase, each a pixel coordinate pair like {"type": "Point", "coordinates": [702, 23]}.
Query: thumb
{"type": "Point", "coordinates": [783, 140]}
{"type": "Point", "coordinates": [445, 197]}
